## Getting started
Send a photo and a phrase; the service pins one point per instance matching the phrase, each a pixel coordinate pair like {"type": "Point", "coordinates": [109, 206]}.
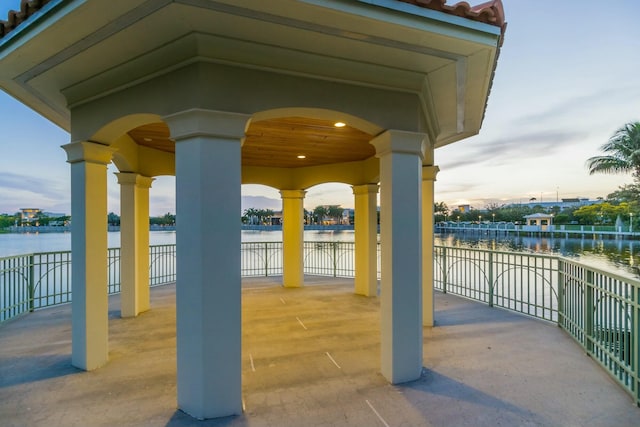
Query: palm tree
{"type": "Point", "coordinates": [320, 212]}
{"type": "Point", "coordinates": [251, 214]}
{"type": "Point", "coordinates": [623, 153]}
{"type": "Point", "coordinates": [335, 212]}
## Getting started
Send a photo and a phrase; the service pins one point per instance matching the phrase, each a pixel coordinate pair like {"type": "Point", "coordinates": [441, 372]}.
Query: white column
{"type": "Point", "coordinates": [366, 239]}
{"type": "Point", "coordinates": [428, 178]}
{"type": "Point", "coordinates": [292, 238]}
{"type": "Point", "coordinates": [134, 243]}
{"type": "Point", "coordinates": [400, 156]}
{"type": "Point", "coordinates": [208, 284]}
{"type": "Point", "coordinates": [90, 308]}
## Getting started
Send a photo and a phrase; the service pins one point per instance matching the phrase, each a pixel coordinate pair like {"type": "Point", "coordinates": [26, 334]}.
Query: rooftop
{"type": "Point", "coordinates": [311, 357]}
{"type": "Point", "coordinates": [490, 12]}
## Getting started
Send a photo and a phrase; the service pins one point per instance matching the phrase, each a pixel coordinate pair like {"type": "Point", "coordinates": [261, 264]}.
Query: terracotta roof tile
{"type": "Point", "coordinates": [16, 17]}
{"type": "Point", "coordinates": [490, 12]}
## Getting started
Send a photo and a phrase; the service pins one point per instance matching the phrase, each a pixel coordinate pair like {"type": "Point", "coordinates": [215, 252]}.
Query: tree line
{"type": "Point", "coordinates": [250, 216]}
{"type": "Point", "coordinates": [319, 215]}
{"type": "Point", "coordinates": [8, 220]}
{"type": "Point", "coordinates": [605, 213]}
{"type": "Point", "coordinates": [162, 220]}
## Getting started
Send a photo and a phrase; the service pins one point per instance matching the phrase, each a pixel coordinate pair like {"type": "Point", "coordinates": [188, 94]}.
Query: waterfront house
{"type": "Point", "coordinates": [29, 215]}
{"type": "Point", "coordinates": [289, 94]}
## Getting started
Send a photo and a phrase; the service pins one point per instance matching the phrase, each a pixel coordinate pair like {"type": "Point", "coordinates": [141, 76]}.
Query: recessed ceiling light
{"type": "Point", "coordinates": [148, 139]}
{"type": "Point", "coordinates": [302, 156]}
{"type": "Point", "coordinates": [339, 124]}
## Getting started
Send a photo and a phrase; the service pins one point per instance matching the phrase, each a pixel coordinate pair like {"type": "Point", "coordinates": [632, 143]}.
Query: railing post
{"type": "Point", "coordinates": [490, 278]}
{"type": "Point", "coordinates": [266, 259]}
{"type": "Point", "coordinates": [335, 259]}
{"type": "Point", "coordinates": [32, 288]}
{"type": "Point", "coordinates": [588, 312]}
{"type": "Point", "coordinates": [560, 303]}
{"type": "Point", "coordinates": [445, 270]}
{"type": "Point", "coordinates": [636, 343]}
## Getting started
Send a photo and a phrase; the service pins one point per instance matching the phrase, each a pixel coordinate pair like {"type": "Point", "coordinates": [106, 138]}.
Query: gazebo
{"type": "Point", "coordinates": [220, 93]}
{"type": "Point", "coordinates": [539, 221]}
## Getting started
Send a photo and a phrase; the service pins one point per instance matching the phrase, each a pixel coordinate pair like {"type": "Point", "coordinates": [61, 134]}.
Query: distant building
{"type": "Point", "coordinates": [464, 208]}
{"type": "Point", "coordinates": [540, 221]}
{"type": "Point", "coordinates": [562, 204]}
{"type": "Point", "coordinates": [53, 214]}
{"type": "Point", "coordinates": [29, 216]}
{"type": "Point", "coordinates": [347, 216]}
{"type": "Point", "coordinates": [276, 218]}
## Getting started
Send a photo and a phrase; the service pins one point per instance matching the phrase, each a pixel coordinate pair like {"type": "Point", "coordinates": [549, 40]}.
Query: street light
{"type": "Point", "coordinates": [493, 219]}
{"type": "Point", "coordinates": [630, 222]}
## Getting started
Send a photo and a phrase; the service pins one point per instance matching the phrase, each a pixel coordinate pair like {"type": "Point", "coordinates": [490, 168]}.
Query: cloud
{"type": "Point", "coordinates": [23, 182]}
{"type": "Point", "coordinates": [515, 147]}
{"type": "Point", "coordinates": [581, 106]}
{"type": "Point", "coordinates": [160, 204]}
{"type": "Point", "coordinates": [21, 190]}
{"type": "Point", "coordinates": [260, 202]}
{"type": "Point", "coordinates": [455, 188]}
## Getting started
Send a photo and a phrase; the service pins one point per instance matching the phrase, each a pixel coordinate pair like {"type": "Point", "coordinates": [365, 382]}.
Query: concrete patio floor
{"type": "Point", "coordinates": [311, 358]}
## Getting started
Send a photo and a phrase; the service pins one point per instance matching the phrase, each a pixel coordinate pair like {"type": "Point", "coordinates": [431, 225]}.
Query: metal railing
{"type": "Point", "coordinates": [600, 310]}
{"type": "Point", "coordinates": [521, 282]}
{"type": "Point", "coordinates": [334, 259]}
{"type": "Point", "coordinates": [29, 282]}
{"type": "Point", "coordinates": [162, 264]}
{"type": "Point", "coordinates": [261, 259]}
{"type": "Point", "coordinates": [34, 281]}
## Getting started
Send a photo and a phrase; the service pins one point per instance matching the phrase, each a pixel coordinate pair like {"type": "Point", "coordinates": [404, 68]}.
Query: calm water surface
{"type": "Point", "coordinates": [621, 256]}
{"type": "Point", "coordinates": [615, 255]}
{"type": "Point", "coordinates": [25, 243]}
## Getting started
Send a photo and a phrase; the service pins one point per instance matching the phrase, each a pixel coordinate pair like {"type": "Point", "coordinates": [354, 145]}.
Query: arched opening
{"type": "Point", "coordinates": [329, 212]}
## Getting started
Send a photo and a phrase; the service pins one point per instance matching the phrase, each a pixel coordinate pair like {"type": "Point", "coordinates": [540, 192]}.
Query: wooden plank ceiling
{"type": "Point", "coordinates": [279, 142]}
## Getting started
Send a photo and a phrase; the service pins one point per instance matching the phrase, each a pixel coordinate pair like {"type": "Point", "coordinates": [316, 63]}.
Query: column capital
{"type": "Point", "coordinates": [198, 122]}
{"type": "Point", "coordinates": [292, 194]}
{"type": "Point", "coordinates": [130, 178]}
{"type": "Point", "coordinates": [365, 189]}
{"type": "Point", "coordinates": [398, 141]}
{"type": "Point", "coordinates": [90, 152]}
{"type": "Point", "coordinates": [429, 173]}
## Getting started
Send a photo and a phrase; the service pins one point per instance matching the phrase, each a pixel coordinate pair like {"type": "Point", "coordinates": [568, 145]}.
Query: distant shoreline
{"type": "Point", "coordinates": [115, 228]}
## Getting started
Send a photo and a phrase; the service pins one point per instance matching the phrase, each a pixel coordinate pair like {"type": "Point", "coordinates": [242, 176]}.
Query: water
{"type": "Point", "coordinates": [25, 243]}
{"type": "Point", "coordinates": [616, 255]}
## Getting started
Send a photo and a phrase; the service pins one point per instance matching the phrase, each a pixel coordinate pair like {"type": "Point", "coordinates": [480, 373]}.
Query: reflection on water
{"type": "Point", "coordinates": [618, 255]}
{"type": "Point", "coordinates": [621, 256]}
{"type": "Point", "coordinates": [26, 243]}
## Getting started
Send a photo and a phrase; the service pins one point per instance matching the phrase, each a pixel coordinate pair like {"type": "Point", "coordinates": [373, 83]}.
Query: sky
{"type": "Point", "coordinates": [567, 78]}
